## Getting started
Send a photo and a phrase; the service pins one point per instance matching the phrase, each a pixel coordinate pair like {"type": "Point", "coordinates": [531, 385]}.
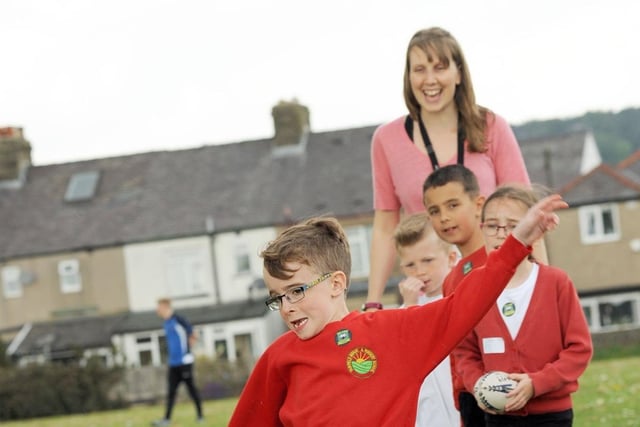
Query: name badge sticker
{"type": "Point", "coordinates": [493, 345]}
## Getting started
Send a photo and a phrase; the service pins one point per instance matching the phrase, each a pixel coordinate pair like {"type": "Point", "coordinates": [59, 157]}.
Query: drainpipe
{"type": "Point", "coordinates": [210, 227]}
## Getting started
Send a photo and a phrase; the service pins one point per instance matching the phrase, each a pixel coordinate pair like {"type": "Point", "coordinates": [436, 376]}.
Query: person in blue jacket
{"type": "Point", "coordinates": [180, 337]}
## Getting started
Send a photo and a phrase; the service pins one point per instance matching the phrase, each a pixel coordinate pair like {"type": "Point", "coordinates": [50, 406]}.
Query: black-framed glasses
{"type": "Point", "coordinates": [293, 295]}
{"type": "Point", "coordinates": [491, 228]}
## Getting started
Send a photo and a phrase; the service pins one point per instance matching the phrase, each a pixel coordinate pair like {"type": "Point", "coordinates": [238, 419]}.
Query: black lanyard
{"type": "Point", "coordinates": [429, 146]}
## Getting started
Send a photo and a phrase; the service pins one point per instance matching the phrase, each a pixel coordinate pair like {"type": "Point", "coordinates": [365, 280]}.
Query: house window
{"type": "Point", "coordinates": [616, 314]}
{"type": "Point", "coordinates": [244, 349]}
{"type": "Point", "coordinates": [243, 264]}
{"type": "Point", "coordinates": [599, 223]}
{"type": "Point", "coordinates": [162, 346]}
{"type": "Point", "coordinates": [151, 349]}
{"type": "Point", "coordinates": [359, 239]}
{"type": "Point", "coordinates": [185, 273]}
{"type": "Point", "coordinates": [587, 314]}
{"type": "Point", "coordinates": [220, 348]}
{"type": "Point", "coordinates": [11, 284]}
{"type": "Point", "coordinates": [145, 351]}
{"type": "Point", "coordinates": [69, 276]}
{"type": "Point", "coordinates": [82, 186]}
{"type": "Point", "coordinates": [612, 312]}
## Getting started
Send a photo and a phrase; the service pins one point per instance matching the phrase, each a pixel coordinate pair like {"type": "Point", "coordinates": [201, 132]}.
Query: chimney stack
{"type": "Point", "coordinates": [291, 122]}
{"type": "Point", "coordinates": [15, 153]}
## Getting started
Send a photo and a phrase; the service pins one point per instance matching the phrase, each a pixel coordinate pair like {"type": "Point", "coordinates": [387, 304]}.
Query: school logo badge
{"type": "Point", "coordinates": [509, 309]}
{"type": "Point", "coordinates": [343, 336]}
{"type": "Point", "coordinates": [362, 362]}
{"type": "Point", "coordinates": [467, 267]}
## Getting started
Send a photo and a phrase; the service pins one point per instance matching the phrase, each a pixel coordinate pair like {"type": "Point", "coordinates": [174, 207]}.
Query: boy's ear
{"type": "Point", "coordinates": [452, 257]}
{"type": "Point", "coordinates": [479, 203]}
{"type": "Point", "coordinates": [338, 283]}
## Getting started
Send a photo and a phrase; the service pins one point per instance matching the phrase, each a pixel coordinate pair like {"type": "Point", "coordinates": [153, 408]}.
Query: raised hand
{"type": "Point", "coordinates": [539, 219]}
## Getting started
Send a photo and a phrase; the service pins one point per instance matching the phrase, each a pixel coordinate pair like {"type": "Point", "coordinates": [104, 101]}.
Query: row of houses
{"type": "Point", "coordinates": [87, 247]}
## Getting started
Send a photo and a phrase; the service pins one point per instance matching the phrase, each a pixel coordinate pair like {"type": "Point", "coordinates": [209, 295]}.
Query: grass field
{"type": "Point", "coordinates": [608, 396]}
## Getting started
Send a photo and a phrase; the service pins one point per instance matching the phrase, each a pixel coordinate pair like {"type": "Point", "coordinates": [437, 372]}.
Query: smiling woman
{"type": "Point", "coordinates": [444, 126]}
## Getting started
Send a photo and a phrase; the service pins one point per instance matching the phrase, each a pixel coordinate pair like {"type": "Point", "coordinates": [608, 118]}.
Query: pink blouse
{"type": "Point", "coordinates": [400, 168]}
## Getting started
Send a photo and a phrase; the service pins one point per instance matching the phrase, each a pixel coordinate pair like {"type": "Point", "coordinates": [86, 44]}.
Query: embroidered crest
{"type": "Point", "coordinates": [343, 336]}
{"type": "Point", "coordinates": [509, 309]}
{"type": "Point", "coordinates": [362, 362]}
{"type": "Point", "coordinates": [467, 267]}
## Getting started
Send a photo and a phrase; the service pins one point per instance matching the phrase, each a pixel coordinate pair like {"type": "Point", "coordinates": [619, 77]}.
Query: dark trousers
{"type": "Point", "coordinates": [178, 374]}
{"type": "Point", "coordinates": [551, 419]}
{"type": "Point", "coordinates": [470, 412]}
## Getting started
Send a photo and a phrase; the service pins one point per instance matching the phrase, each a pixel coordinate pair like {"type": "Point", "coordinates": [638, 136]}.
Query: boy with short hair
{"type": "Point", "coordinates": [425, 260]}
{"type": "Point", "coordinates": [338, 368]}
{"type": "Point", "coordinates": [454, 205]}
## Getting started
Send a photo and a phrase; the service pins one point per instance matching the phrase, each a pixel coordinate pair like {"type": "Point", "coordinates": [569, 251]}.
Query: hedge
{"type": "Point", "coordinates": [57, 389]}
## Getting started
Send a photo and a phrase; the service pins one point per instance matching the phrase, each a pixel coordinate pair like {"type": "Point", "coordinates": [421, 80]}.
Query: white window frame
{"type": "Point", "coordinates": [11, 282]}
{"type": "Point", "coordinates": [359, 241]}
{"type": "Point", "coordinates": [69, 276]}
{"type": "Point", "coordinates": [592, 224]}
{"type": "Point", "coordinates": [593, 303]}
{"type": "Point", "coordinates": [242, 259]}
{"type": "Point", "coordinates": [249, 358]}
{"type": "Point", "coordinates": [220, 341]}
{"type": "Point", "coordinates": [184, 271]}
{"type": "Point", "coordinates": [153, 346]}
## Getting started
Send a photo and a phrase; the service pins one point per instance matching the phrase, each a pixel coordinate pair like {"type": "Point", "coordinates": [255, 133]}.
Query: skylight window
{"type": "Point", "coordinates": [82, 186]}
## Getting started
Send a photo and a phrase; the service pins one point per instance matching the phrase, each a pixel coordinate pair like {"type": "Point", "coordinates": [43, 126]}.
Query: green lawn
{"type": "Point", "coordinates": [608, 396]}
{"type": "Point", "coordinates": [216, 412]}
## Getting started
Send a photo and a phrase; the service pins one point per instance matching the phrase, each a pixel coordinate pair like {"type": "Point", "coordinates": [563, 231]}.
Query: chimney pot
{"type": "Point", "coordinates": [291, 122]}
{"type": "Point", "coordinates": [15, 153]}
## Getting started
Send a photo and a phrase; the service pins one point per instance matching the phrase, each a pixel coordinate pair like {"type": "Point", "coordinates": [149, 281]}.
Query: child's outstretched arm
{"type": "Point", "coordinates": [478, 291]}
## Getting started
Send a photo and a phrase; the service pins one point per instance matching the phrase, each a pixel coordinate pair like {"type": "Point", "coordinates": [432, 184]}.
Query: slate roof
{"type": "Point", "coordinates": [167, 194]}
{"type": "Point", "coordinates": [63, 337]}
{"type": "Point", "coordinates": [565, 155]}
{"type": "Point", "coordinates": [602, 184]}
{"type": "Point", "coordinates": [630, 167]}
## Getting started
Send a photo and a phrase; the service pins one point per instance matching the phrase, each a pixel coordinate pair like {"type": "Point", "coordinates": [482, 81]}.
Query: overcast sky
{"type": "Point", "coordinates": [88, 78]}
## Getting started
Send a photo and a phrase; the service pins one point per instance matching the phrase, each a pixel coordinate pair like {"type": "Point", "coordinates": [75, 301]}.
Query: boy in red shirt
{"type": "Point", "coordinates": [454, 205]}
{"type": "Point", "coordinates": [337, 368]}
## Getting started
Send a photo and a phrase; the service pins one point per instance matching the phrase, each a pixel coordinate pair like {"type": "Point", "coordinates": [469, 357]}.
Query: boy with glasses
{"type": "Point", "coordinates": [338, 368]}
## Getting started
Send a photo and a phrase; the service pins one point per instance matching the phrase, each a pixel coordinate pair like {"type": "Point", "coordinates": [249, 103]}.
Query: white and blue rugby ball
{"type": "Point", "coordinates": [491, 390]}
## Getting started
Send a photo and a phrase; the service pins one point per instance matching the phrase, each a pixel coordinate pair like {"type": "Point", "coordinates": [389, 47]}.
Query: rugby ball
{"type": "Point", "coordinates": [491, 390]}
